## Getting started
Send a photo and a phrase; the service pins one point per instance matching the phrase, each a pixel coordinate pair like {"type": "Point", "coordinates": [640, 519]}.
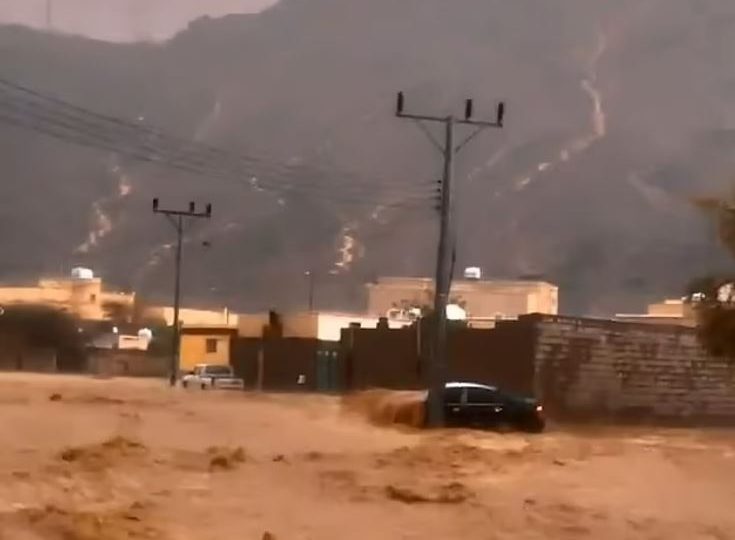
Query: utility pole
{"type": "Point", "coordinates": [177, 218]}
{"type": "Point", "coordinates": [447, 238]}
{"type": "Point", "coordinates": [310, 276]}
{"type": "Point", "coordinates": [49, 15]}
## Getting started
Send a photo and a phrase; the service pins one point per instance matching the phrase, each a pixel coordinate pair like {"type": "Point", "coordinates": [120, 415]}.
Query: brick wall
{"type": "Point", "coordinates": [578, 367]}
{"type": "Point", "coordinates": [383, 358]}
{"type": "Point", "coordinates": [126, 363]}
{"type": "Point", "coordinates": [625, 370]}
{"type": "Point", "coordinates": [283, 361]}
{"type": "Point", "coordinates": [380, 358]}
{"type": "Point", "coordinates": [34, 360]}
{"type": "Point", "coordinates": [502, 356]}
{"type": "Point", "coordinates": [244, 359]}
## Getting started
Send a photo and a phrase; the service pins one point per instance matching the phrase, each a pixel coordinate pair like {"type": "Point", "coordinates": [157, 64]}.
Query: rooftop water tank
{"type": "Point", "coordinates": [145, 333]}
{"type": "Point", "coordinates": [456, 313]}
{"type": "Point", "coordinates": [473, 273]}
{"type": "Point", "coordinates": [80, 273]}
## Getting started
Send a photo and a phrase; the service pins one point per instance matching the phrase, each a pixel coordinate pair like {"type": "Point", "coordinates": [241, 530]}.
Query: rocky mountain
{"type": "Point", "coordinates": [120, 20]}
{"type": "Point", "coordinates": [618, 113]}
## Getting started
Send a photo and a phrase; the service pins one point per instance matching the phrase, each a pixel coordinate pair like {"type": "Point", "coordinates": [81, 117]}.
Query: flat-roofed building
{"type": "Point", "coordinates": [319, 325]}
{"type": "Point", "coordinates": [393, 297]}
{"type": "Point", "coordinates": [81, 294]}
{"type": "Point", "coordinates": [669, 312]}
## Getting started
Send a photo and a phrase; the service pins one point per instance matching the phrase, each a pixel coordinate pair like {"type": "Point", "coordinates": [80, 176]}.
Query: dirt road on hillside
{"type": "Point", "coordinates": [86, 459]}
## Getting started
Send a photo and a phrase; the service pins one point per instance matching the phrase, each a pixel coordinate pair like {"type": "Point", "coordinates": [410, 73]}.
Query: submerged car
{"type": "Point", "coordinates": [475, 405]}
{"type": "Point", "coordinates": [207, 376]}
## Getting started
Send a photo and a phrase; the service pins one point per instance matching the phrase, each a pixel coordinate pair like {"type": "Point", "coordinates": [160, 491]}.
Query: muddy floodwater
{"type": "Point", "coordinates": [89, 459]}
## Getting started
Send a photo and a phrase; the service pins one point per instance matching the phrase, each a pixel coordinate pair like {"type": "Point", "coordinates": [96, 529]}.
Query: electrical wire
{"type": "Point", "coordinates": [57, 125]}
{"type": "Point", "coordinates": [24, 107]}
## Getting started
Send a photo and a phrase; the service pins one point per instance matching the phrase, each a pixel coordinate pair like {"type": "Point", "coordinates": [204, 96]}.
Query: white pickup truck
{"type": "Point", "coordinates": [206, 376]}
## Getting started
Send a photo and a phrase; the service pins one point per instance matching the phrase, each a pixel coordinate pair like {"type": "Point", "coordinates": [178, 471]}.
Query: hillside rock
{"type": "Point", "coordinates": [617, 115]}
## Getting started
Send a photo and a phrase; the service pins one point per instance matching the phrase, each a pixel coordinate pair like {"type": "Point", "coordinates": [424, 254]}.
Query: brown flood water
{"type": "Point", "coordinates": [120, 459]}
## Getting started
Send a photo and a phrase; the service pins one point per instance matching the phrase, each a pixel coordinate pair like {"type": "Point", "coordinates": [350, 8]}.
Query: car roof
{"type": "Point", "coordinates": [469, 385]}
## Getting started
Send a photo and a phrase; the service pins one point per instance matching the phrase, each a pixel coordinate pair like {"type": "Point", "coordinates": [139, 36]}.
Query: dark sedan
{"type": "Point", "coordinates": [481, 406]}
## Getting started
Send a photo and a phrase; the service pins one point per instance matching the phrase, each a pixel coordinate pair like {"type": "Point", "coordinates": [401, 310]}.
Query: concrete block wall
{"type": "Point", "coordinates": [277, 363]}
{"type": "Point", "coordinates": [596, 368]}
{"type": "Point", "coordinates": [32, 360]}
{"type": "Point", "coordinates": [381, 358]}
{"type": "Point", "coordinates": [126, 363]}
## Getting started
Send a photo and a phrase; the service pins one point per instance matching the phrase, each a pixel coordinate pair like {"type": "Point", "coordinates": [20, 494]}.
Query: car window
{"type": "Point", "coordinates": [509, 398]}
{"type": "Point", "coordinates": [453, 395]}
{"type": "Point", "coordinates": [518, 400]}
{"type": "Point", "coordinates": [482, 395]}
{"type": "Point", "coordinates": [218, 370]}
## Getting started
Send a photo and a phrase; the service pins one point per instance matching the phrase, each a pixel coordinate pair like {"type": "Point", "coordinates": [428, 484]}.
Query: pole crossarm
{"type": "Point", "coordinates": [442, 119]}
{"type": "Point", "coordinates": [183, 214]}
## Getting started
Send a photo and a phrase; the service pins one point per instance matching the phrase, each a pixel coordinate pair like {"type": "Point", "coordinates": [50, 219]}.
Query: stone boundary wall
{"type": "Point", "coordinates": [586, 367]}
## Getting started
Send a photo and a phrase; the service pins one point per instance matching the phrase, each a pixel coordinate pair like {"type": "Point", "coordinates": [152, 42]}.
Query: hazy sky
{"type": "Point", "coordinates": [121, 20]}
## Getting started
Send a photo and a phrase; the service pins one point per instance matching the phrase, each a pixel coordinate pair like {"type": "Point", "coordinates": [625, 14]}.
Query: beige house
{"type": "Point", "coordinates": [324, 326]}
{"type": "Point", "coordinates": [674, 311]}
{"type": "Point", "coordinates": [192, 317]}
{"type": "Point", "coordinates": [81, 294]}
{"type": "Point", "coordinates": [482, 299]}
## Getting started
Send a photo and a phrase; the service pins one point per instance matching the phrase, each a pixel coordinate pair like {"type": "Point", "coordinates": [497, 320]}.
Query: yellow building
{"type": "Point", "coordinates": [206, 335]}
{"type": "Point", "coordinates": [481, 299]}
{"type": "Point", "coordinates": [81, 295]}
{"type": "Point", "coordinates": [203, 345]}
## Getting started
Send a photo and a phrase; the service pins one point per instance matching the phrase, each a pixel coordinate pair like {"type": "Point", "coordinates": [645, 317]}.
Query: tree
{"type": "Point", "coordinates": [39, 326]}
{"type": "Point", "coordinates": [722, 212]}
{"type": "Point", "coordinates": [713, 297]}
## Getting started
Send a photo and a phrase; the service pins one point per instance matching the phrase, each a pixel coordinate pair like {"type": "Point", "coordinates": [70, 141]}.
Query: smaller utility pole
{"type": "Point", "coordinates": [447, 239]}
{"type": "Point", "coordinates": [177, 219]}
{"type": "Point", "coordinates": [49, 15]}
{"type": "Point", "coordinates": [310, 276]}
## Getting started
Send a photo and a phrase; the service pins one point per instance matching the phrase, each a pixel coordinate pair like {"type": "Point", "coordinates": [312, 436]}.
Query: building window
{"type": "Point", "coordinates": [93, 298]}
{"type": "Point", "coordinates": [212, 346]}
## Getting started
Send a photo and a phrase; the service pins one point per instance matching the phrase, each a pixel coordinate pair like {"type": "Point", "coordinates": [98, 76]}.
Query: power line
{"type": "Point", "coordinates": [60, 124]}
{"type": "Point", "coordinates": [50, 114]}
{"type": "Point", "coordinates": [62, 129]}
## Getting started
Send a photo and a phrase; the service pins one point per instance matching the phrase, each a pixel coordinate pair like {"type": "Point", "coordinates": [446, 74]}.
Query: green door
{"type": "Point", "coordinates": [327, 371]}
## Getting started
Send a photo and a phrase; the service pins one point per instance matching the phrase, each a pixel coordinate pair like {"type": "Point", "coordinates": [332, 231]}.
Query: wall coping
{"type": "Point", "coordinates": [610, 325]}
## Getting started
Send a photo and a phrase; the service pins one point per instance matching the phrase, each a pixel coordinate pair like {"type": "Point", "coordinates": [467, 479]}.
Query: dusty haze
{"type": "Point", "coordinates": [121, 20]}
